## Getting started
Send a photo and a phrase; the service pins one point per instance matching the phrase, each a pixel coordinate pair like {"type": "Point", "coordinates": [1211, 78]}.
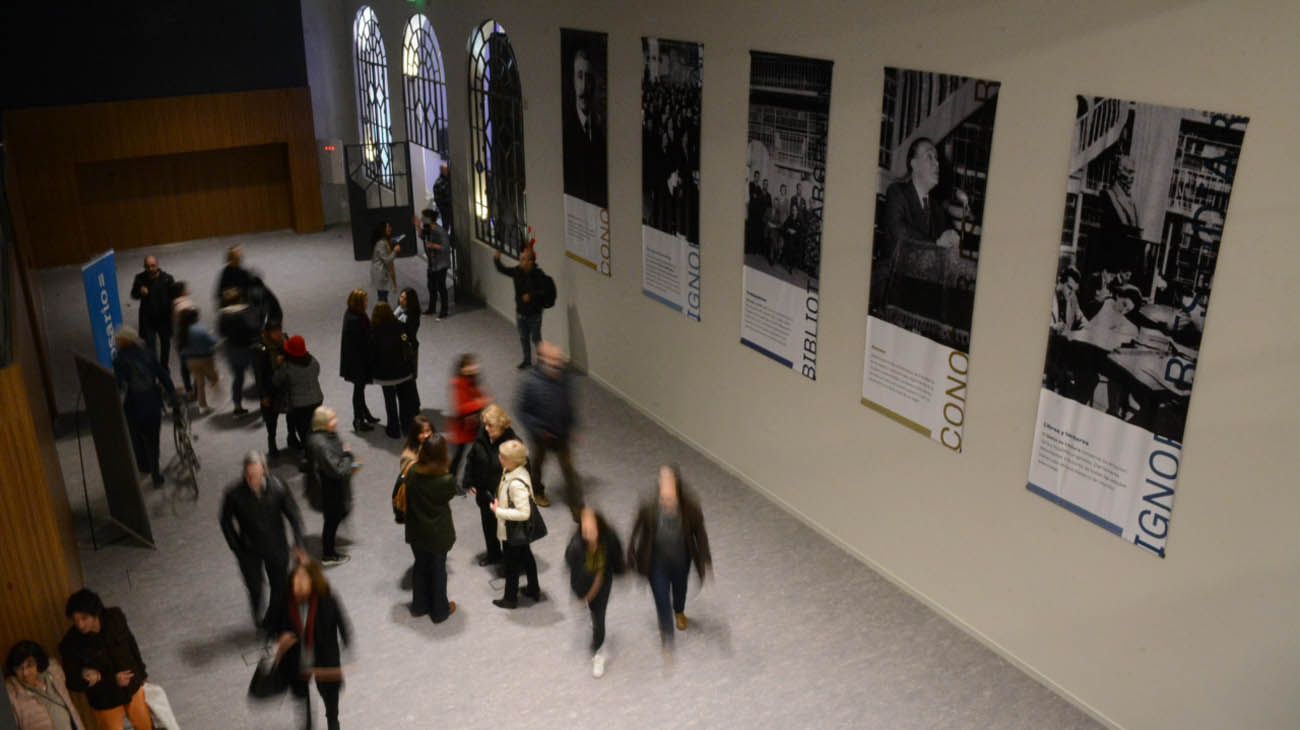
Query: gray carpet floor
{"type": "Point", "coordinates": [789, 632]}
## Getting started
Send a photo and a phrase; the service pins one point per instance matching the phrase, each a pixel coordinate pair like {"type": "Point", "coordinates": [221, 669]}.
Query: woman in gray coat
{"type": "Point", "coordinates": [297, 375]}
{"type": "Point", "coordinates": [383, 274]}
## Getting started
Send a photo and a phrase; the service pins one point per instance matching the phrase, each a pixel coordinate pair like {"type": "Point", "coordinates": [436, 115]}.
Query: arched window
{"type": "Point", "coordinates": [496, 127]}
{"type": "Point", "coordinates": [425, 86]}
{"type": "Point", "coordinates": [376, 123]}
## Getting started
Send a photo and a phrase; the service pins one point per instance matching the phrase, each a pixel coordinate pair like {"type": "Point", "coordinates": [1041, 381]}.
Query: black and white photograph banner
{"type": "Point", "coordinates": [1145, 207]}
{"type": "Point", "coordinates": [671, 87]}
{"type": "Point", "coordinates": [583, 86]}
{"type": "Point", "coordinates": [789, 111]}
{"type": "Point", "coordinates": [936, 135]}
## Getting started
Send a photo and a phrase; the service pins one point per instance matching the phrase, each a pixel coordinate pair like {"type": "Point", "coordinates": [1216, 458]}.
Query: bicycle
{"type": "Point", "coordinates": [184, 466]}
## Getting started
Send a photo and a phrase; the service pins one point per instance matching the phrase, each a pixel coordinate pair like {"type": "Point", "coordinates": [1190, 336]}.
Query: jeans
{"type": "Point", "coordinates": [665, 577]}
{"type": "Point", "coordinates": [437, 281]}
{"type": "Point", "coordinates": [239, 359]}
{"type": "Point", "coordinates": [597, 608]}
{"type": "Point", "coordinates": [276, 567]}
{"type": "Point", "coordinates": [519, 558]}
{"type": "Point", "coordinates": [530, 330]}
{"type": "Point", "coordinates": [329, 695]}
{"type": "Point", "coordinates": [429, 585]}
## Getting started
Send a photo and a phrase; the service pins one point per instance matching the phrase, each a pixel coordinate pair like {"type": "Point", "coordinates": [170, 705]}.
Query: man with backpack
{"type": "Point", "coordinates": [534, 292]}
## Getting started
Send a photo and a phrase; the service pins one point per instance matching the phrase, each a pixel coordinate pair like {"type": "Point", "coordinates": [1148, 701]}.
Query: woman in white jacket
{"type": "Point", "coordinates": [512, 505]}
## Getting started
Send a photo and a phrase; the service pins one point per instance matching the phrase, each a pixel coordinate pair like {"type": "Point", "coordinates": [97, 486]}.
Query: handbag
{"type": "Point", "coordinates": [523, 532]}
{"type": "Point", "coordinates": [269, 680]}
{"type": "Point", "coordinates": [399, 495]}
{"type": "Point", "coordinates": [160, 708]}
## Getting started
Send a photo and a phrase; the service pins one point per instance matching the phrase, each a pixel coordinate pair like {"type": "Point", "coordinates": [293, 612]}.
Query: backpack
{"type": "Point", "coordinates": [546, 297]}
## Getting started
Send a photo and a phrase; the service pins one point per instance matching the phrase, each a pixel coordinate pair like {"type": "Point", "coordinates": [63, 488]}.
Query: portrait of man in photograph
{"type": "Point", "coordinates": [585, 154]}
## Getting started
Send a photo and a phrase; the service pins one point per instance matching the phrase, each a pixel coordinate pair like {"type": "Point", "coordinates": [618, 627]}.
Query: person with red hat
{"type": "Point", "coordinates": [298, 376]}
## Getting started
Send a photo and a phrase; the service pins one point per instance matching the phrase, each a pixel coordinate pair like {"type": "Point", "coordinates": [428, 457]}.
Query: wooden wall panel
{"type": "Point", "coordinates": [60, 159]}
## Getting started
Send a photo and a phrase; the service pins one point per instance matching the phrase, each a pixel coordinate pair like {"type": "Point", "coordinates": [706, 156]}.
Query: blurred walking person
{"type": "Point", "coordinates": [667, 538]}
{"type": "Point", "coordinates": [197, 346]}
{"type": "Point", "coordinates": [594, 557]}
{"type": "Point", "coordinates": [547, 411]}
{"type": "Point", "coordinates": [267, 353]}
{"type": "Point", "coordinates": [237, 324]}
{"type": "Point", "coordinates": [467, 403]}
{"type": "Point", "coordinates": [308, 627]}
{"type": "Point", "coordinates": [254, 511]}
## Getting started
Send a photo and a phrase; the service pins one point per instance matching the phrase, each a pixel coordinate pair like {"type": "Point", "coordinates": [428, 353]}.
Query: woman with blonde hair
{"type": "Point", "coordinates": [483, 474]}
{"type": "Point", "coordinates": [513, 506]}
{"type": "Point", "coordinates": [329, 472]}
{"type": "Point", "coordinates": [354, 362]}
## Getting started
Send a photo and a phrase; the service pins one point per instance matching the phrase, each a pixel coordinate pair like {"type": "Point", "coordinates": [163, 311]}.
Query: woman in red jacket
{"type": "Point", "coordinates": [467, 401]}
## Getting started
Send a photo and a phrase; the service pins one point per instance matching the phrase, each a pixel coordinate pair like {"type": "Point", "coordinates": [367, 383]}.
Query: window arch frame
{"type": "Point", "coordinates": [496, 130]}
{"type": "Point", "coordinates": [424, 86]}
{"type": "Point", "coordinates": [374, 117]}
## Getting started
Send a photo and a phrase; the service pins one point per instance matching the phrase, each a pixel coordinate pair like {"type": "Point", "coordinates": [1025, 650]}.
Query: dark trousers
{"type": "Point", "coordinates": [530, 331]}
{"type": "Point", "coordinates": [437, 281]}
{"type": "Point", "coordinates": [270, 419]}
{"type": "Point", "coordinates": [299, 422]}
{"type": "Point", "coordinates": [186, 379]}
{"type": "Point", "coordinates": [401, 403]}
{"type": "Point", "coordinates": [335, 511]}
{"type": "Point", "coordinates": [239, 359]}
{"type": "Point", "coordinates": [597, 608]}
{"type": "Point", "coordinates": [150, 333]}
{"type": "Point", "coordinates": [329, 696]}
{"type": "Point", "coordinates": [519, 558]}
{"type": "Point", "coordinates": [429, 585]}
{"type": "Point", "coordinates": [276, 568]}
{"type": "Point", "coordinates": [666, 578]}
{"type": "Point", "coordinates": [144, 424]}
{"type": "Point", "coordinates": [543, 445]}
{"type": "Point", "coordinates": [360, 411]}
{"type": "Point", "coordinates": [489, 519]}
{"type": "Point", "coordinates": [461, 450]}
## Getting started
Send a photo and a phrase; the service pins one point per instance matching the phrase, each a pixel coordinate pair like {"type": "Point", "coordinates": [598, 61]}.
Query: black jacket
{"type": "Point", "coordinates": [483, 468]}
{"type": "Point", "coordinates": [330, 625]}
{"type": "Point", "coordinates": [391, 354]}
{"type": "Point", "coordinates": [108, 652]}
{"type": "Point", "coordinates": [264, 357]}
{"type": "Point", "coordinates": [354, 360]}
{"type": "Point", "coordinates": [237, 323]}
{"type": "Point", "coordinates": [156, 306]}
{"type": "Point", "coordinates": [575, 555]}
{"type": "Point", "coordinates": [139, 375]}
{"type": "Point", "coordinates": [532, 283]}
{"type": "Point", "coordinates": [253, 525]}
{"type": "Point", "coordinates": [546, 402]}
{"type": "Point", "coordinates": [329, 471]}
{"type": "Point", "coordinates": [429, 526]}
{"type": "Point", "coordinates": [640, 546]}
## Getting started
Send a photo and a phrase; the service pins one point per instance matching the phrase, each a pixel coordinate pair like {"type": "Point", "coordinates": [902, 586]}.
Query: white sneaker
{"type": "Point", "coordinates": [598, 666]}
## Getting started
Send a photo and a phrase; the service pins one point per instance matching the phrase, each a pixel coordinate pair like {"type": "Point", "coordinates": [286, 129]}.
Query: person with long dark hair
{"type": "Point", "coordinates": [483, 474]}
{"type": "Point", "coordinates": [267, 353]}
{"type": "Point", "coordinates": [408, 313]}
{"type": "Point", "coordinates": [330, 465]}
{"type": "Point", "coordinates": [383, 274]}
{"type": "Point", "coordinates": [513, 505]}
{"type": "Point", "coordinates": [103, 660]}
{"type": "Point", "coordinates": [430, 530]}
{"type": "Point", "coordinates": [667, 538]}
{"type": "Point", "coordinates": [467, 403]}
{"type": "Point", "coordinates": [308, 628]}
{"type": "Point", "coordinates": [38, 690]}
{"type": "Point", "coordinates": [594, 557]}
{"type": "Point", "coordinates": [143, 383]}
{"type": "Point", "coordinates": [392, 366]}
{"type": "Point", "coordinates": [354, 362]}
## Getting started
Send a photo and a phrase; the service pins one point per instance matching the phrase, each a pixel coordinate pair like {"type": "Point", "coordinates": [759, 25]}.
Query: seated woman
{"type": "Point", "coordinates": [38, 691]}
{"type": "Point", "coordinates": [104, 662]}
{"type": "Point", "coordinates": [1092, 344]}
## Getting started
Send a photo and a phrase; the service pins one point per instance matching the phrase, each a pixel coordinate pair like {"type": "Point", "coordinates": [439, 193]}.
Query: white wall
{"type": "Point", "coordinates": [1207, 638]}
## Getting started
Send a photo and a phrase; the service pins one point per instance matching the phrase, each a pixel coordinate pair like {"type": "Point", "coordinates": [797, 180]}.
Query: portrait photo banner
{"type": "Point", "coordinates": [583, 86]}
{"type": "Point", "coordinates": [671, 88]}
{"type": "Point", "coordinates": [1145, 207]}
{"type": "Point", "coordinates": [789, 113]}
{"type": "Point", "coordinates": [936, 135]}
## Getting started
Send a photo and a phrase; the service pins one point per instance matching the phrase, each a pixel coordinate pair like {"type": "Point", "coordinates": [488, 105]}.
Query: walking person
{"type": "Point", "coordinates": [594, 557]}
{"type": "Point", "coordinates": [512, 507]}
{"type": "Point", "coordinates": [383, 273]}
{"type": "Point", "coordinates": [547, 411]}
{"type": "Point", "coordinates": [392, 366]}
{"type": "Point", "coordinates": [143, 383]}
{"type": "Point", "coordinates": [237, 324]}
{"type": "Point", "coordinates": [354, 359]}
{"type": "Point", "coordinates": [102, 659]}
{"type": "Point", "coordinates": [467, 403]}
{"type": "Point", "coordinates": [38, 690]}
{"type": "Point", "coordinates": [308, 626]}
{"type": "Point", "coordinates": [153, 288]}
{"type": "Point", "coordinates": [298, 374]}
{"type": "Point", "coordinates": [267, 353]}
{"type": "Point", "coordinates": [254, 511]}
{"type": "Point", "coordinates": [483, 475]}
{"type": "Point", "coordinates": [233, 274]}
{"type": "Point", "coordinates": [197, 347]}
{"type": "Point", "coordinates": [181, 303]}
{"type": "Point", "coordinates": [667, 538]}
{"type": "Point", "coordinates": [534, 292]}
{"type": "Point", "coordinates": [437, 256]}
{"type": "Point", "coordinates": [330, 465]}
{"type": "Point", "coordinates": [430, 530]}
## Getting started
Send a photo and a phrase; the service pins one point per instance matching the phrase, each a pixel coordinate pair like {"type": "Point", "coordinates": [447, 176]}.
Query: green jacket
{"type": "Point", "coordinates": [429, 526]}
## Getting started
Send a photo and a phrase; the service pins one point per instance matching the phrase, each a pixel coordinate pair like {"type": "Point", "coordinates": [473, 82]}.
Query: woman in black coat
{"type": "Point", "coordinates": [308, 641]}
{"type": "Point", "coordinates": [354, 364]}
{"type": "Point", "coordinates": [483, 474]}
{"type": "Point", "coordinates": [392, 365]}
{"type": "Point", "coordinates": [143, 383]}
{"type": "Point", "coordinates": [430, 530]}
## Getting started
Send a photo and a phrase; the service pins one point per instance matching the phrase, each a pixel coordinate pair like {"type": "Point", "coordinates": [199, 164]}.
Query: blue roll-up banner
{"type": "Point", "coordinates": [100, 278]}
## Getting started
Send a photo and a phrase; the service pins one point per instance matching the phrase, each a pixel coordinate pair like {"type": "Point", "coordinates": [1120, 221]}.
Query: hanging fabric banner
{"type": "Point", "coordinates": [936, 134]}
{"type": "Point", "coordinates": [789, 111]}
{"type": "Point", "coordinates": [99, 277]}
{"type": "Point", "coordinates": [671, 87]}
{"type": "Point", "coordinates": [586, 155]}
{"type": "Point", "coordinates": [1145, 207]}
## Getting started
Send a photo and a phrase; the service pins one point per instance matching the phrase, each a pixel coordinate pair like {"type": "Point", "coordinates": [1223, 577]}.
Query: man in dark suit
{"type": "Point", "coordinates": [586, 157]}
{"type": "Point", "coordinates": [911, 217]}
{"type": "Point", "coordinates": [153, 288]}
